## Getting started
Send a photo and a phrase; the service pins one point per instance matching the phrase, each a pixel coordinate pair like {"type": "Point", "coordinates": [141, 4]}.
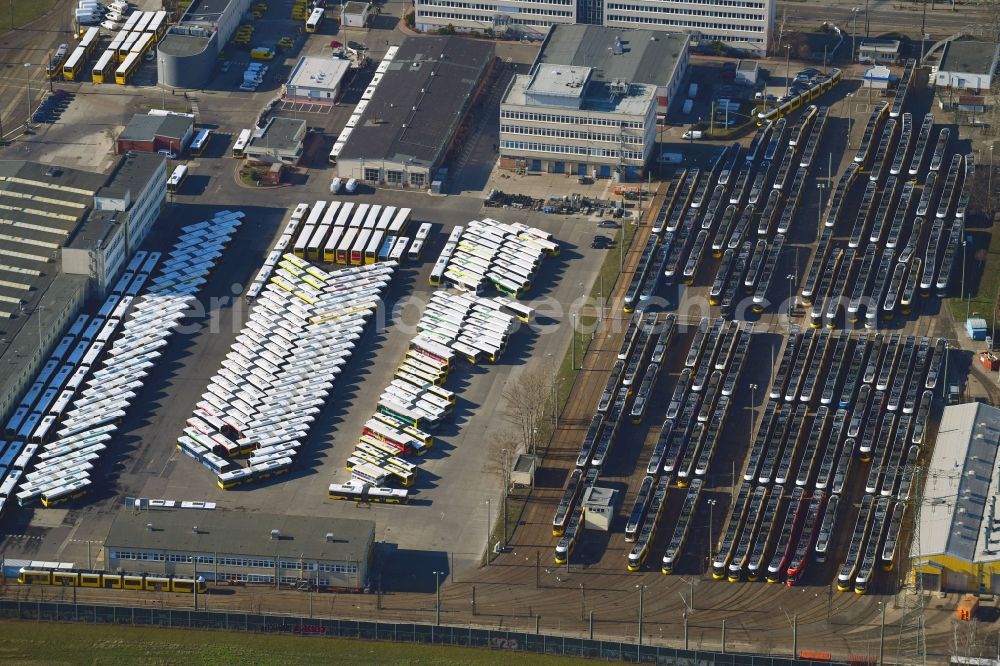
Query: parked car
{"type": "Point", "coordinates": [608, 224]}
{"type": "Point", "coordinates": [692, 134]}
{"type": "Point", "coordinates": [169, 153]}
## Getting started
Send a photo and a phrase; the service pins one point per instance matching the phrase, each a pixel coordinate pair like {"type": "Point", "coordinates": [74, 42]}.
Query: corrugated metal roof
{"type": "Point", "coordinates": [961, 486]}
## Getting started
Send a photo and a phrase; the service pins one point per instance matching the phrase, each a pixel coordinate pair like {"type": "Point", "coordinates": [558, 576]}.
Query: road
{"type": "Point", "coordinates": [883, 17]}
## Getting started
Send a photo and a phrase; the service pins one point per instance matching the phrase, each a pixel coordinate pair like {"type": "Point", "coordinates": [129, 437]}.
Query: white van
{"type": "Point", "coordinates": [336, 185]}
{"type": "Point", "coordinates": [119, 6]}
{"type": "Point", "coordinates": [352, 184]}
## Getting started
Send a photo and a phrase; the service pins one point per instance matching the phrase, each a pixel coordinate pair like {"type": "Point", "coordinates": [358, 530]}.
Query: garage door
{"type": "Point", "coordinates": [995, 583]}
{"type": "Point", "coordinates": [930, 582]}
{"type": "Point", "coordinates": [954, 581]}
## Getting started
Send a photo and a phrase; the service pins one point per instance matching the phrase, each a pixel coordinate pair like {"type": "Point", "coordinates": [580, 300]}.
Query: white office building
{"type": "Point", "coordinates": [743, 24]}
{"type": "Point", "coordinates": [591, 102]}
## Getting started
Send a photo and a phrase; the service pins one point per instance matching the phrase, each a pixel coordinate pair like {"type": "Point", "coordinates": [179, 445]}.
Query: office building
{"type": "Point", "coordinates": [155, 131]}
{"type": "Point", "coordinates": [589, 105]}
{"type": "Point", "coordinates": [742, 24]}
{"type": "Point", "coordinates": [329, 554]}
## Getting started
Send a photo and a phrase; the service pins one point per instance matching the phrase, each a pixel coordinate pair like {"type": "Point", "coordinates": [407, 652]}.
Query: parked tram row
{"type": "Point", "coordinates": [415, 403]}
{"type": "Point", "coordinates": [86, 420]}
{"type": "Point", "coordinates": [905, 236]}
{"type": "Point", "coordinates": [686, 441]}
{"type": "Point", "coordinates": [760, 189]}
{"type": "Point", "coordinates": [805, 466]}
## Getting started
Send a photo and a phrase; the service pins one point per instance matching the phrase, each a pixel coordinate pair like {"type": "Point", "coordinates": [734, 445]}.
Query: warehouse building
{"type": "Point", "coordinates": [745, 25]}
{"type": "Point", "coordinates": [413, 121]}
{"type": "Point", "coordinates": [72, 241]}
{"type": "Point", "coordinates": [316, 80]}
{"type": "Point", "coordinates": [956, 547]}
{"type": "Point", "coordinates": [590, 104]}
{"type": "Point", "coordinates": [156, 131]}
{"type": "Point", "coordinates": [187, 54]}
{"type": "Point", "coordinates": [968, 66]}
{"type": "Point", "coordinates": [332, 554]}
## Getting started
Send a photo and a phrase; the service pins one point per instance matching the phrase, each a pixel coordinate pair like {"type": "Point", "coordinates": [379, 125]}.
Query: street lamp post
{"type": "Point", "coordinates": [989, 181]}
{"type": "Point", "coordinates": [506, 485]}
{"type": "Point", "coordinates": [641, 589]}
{"type": "Point", "coordinates": [489, 507]}
{"type": "Point", "coordinates": [437, 598]}
{"type": "Point", "coordinates": [967, 303]}
{"type": "Point", "coordinates": [27, 90]}
{"type": "Point", "coordinates": [854, 32]}
{"type": "Point", "coordinates": [788, 53]}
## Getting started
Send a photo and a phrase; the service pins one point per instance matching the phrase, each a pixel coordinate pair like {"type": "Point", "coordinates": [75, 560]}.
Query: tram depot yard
{"type": "Point", "coordinates": [358, 367]}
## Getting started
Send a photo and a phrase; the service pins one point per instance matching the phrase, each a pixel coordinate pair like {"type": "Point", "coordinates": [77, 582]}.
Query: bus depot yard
{"type": "Point", "coordinates": [285, 350]}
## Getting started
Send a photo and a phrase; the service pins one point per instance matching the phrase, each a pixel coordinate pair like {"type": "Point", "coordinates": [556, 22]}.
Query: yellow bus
{"type": "Point", "coordinates": [125, 70]}
{"type": "Point", "coordinates": [104, 69]}
{"type": "Point", "coordinates": [71, 68]}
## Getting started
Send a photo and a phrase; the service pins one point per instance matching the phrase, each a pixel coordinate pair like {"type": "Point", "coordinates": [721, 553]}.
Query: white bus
{"type": "Point", "coordinates": [241, 143]}
{"type": "Point", "coordinates": [177, 178]}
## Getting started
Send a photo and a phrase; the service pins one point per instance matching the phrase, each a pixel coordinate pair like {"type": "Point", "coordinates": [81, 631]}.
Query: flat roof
{"type": "Point", "coordinates": [94, 228]}
{"type": "Point", "coordinates": [598, 97]}
{"type": "Point", "coordinates": [559, 80]}
{"type": "Point", "coordinates": [178, 44]}
{"type": "Point", "coordinates": [890, 45]}
{"type": "Point", "coordinates": [282, 134]}
{"type": "Point", "coordinates": [969, 57]}
{"type": "Point", "coordinates": [437, 77]}
{"type": "Point", "coordinates": [132, 175]}
{"type": "Point", "coordinates": [240, 533]}
{"type": "Point", "coordinates": [205, 10]}
{"type": "Point", "coordinates": [318, 73]}
{"type": "Point", "coordinates": [962, 482]}
{"type": "Point", "coordinates": [355, 7]}
{"type": "Point", "coordinates": [645, 56]}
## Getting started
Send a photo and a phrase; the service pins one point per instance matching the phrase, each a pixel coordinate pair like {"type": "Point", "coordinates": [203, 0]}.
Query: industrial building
{"type": "Point", "coordinates": [589, 105]}
{"type": "Point", "coordinates": [968, 66]}
{"type": "Point", "coordinates": [879, 51]}
{"type": "Point", "coordinates": [187, 54]}
{"type": "Point", "coordinates": [316, 80]}
{"type": "Point", "coordinates": [156, 131]}
{"type": "Point", "coordinates": [956, 546]}
{"type": "Point", "coordinates": [745, 25]}
{"type": "Point", "coordinates": [228, 546]}
{"type": "Point", "coordinates": [411, 122]}
{"type": "Point", "coordinates": [280, 141]}
{"type": "Point", "coordinates": [65, 227]}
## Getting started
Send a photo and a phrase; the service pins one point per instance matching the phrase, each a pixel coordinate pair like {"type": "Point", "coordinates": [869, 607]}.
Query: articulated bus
{"type": "Point", "coordinates": [158, 25]}
{"type": "Point", "coordinates": [200, 141]}
{"type": "Point", "coordinates": [127, 68]}
{"type": "Point", "coordinates": [315, 19]}
{"type": "Point", "coordinates": [105, 67]}
{"type": "Point", "coordinates": [241, 143]}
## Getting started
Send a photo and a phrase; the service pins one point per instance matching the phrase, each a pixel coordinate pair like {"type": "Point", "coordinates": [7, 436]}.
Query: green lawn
{"type": "Point", "coordinates": [36, 643]}
{"type": "Point", "coordinates": [24, 11]}
{"type": "Point", "coordinates": [984, 292]}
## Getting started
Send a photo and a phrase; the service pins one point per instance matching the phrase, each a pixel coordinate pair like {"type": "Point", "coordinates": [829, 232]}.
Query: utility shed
{"type": "Point", "coordinates": [599, 506]}
{"type": "Point", "coordinates": [355, 14]}
{"type": "Point", "coordinates": [975, 328]}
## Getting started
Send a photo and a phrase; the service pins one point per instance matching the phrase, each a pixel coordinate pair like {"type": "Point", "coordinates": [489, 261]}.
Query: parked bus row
{"type": "Point", "coordinates": [61, 378]}
{"type": "Point", "coordinates": [490, 252]}
{"type": "Point", "coordinates": [416, 402]}
{"type": "Point", "coordinates": [345, 233]}
{"type": "Point", "coordinates": [277, 376]}
{"type": "Point", "coordinates": [91, 420]}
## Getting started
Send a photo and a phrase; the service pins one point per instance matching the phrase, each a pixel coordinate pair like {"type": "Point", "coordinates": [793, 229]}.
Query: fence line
{"type": "Point", "coordinates": [507, 641]}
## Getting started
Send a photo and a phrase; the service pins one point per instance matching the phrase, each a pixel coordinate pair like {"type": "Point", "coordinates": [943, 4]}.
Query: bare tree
{"type": "Point", "coordinates": [528, 401]}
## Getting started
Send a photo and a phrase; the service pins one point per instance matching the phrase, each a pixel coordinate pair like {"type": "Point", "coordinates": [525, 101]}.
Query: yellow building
{"type": "Point", "coordinates": [957, 545]}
